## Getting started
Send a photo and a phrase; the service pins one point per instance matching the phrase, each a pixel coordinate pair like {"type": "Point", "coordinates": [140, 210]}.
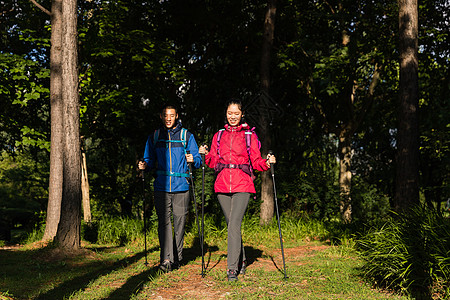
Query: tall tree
{"type": "Point", "coordinates": [267, 200]}
{"type": "Point", "coordinates": [407, 168]}
{"type": "Point", "coordinates": [64, 205]}
{"type": "Point", "coordinates": [57, 129]}
{"type": "Point", "coordinates": [68, 234]}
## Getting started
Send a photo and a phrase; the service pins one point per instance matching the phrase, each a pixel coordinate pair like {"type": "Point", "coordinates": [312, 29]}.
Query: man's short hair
{"type": "Point", "coordinates": [169, 106]}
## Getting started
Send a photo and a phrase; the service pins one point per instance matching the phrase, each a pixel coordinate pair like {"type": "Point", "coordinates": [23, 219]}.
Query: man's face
{"type": "Point", "coordinates": [169, 116]}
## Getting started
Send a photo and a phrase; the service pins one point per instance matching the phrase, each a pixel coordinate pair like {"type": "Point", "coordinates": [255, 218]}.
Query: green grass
{"type": "Point", "coordinates": [315, 268]}
{"type": "Point", "coordinates": [410, 253]}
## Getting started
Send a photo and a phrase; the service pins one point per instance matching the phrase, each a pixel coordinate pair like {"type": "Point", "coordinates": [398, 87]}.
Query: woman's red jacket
{"type": "Point", "coordinates": [233, 150]}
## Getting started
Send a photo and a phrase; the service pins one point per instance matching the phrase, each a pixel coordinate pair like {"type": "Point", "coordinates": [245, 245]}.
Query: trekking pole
{"type": "Point", "coordinates": [145, 215]}
{"type": "Point", "coordinates": [202, 240]}
{"type": "Point", "coordinates": [278, 214]}
{"type": "Point", "coordinates": [193, 196]}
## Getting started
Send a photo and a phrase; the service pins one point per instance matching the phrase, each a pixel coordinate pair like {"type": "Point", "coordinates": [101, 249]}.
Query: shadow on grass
{"type": "Point", "coordinates": [209, 269]}
{"type": "Point", "coordinates": [251, 254]}
{"type": "Point", "coordinates": [23, 262]}
{"type": "Point", "coordinates": [81, 282]}
{"type": "Point", "coordinates": [135, 283]}
{"type": "Point", "coordinates": [194, 253]}
{"type": "Point", "coordinates": [278, 268]}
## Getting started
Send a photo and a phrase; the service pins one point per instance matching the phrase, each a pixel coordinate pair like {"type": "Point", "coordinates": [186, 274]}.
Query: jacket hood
{"type": "Point", "coordinates": [243, 126]}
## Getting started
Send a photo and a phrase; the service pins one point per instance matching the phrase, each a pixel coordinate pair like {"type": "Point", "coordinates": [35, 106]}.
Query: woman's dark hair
{"type": "Point", "coordinates": [235, 102]}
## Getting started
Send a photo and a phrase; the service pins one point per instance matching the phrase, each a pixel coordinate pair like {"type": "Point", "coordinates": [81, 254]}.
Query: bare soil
{"type": "Point", "coordinates": [197, 287]}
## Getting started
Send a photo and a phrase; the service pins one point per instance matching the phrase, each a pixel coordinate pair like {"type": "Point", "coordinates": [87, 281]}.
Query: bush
{"type": "Point", "coordinates": [113, 230]}
{"type": "Point", "coordinates": [35, 235]}
{"type": "Point", "coordinates": [410, 253]}
{"type": "Point", "coordinates": [315, 196]}
{"type": "Point", "coordinates": [369, 205]}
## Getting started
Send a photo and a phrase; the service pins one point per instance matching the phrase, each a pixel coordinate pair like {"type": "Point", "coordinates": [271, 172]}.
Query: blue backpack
{"type": "Point", "coordinates": [183, 140]}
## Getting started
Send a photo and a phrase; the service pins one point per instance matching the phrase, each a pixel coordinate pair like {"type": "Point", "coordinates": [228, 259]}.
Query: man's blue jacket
{"type": "Point", "coordinates": [169, 158]}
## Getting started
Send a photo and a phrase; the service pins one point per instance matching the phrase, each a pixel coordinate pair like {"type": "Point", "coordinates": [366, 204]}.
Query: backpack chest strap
{"type": "Point", "coordinates": [168, 173]}
{"type": "Point", "coordinates": [183, 139]}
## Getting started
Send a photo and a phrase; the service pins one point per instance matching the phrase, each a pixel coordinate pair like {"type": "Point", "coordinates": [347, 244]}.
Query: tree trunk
{"type": "Point", "coordinates": [267, 204]}
{"type": "Point", "coordinates": [68, 234]}
{"type": "Point", "coordinates": [407, 169]}
{"type": "Point", "coordinates": [57, 132]}
{"type": "Point", "coordinates": [85, 190]}
{"type": "Point", "coordinates": [345, 176]}
{"type": "Point", "coordinates": [267, 199]}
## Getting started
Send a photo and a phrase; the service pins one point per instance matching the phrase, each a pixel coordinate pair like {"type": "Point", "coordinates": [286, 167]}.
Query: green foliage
{"type": "Point", "coordinates": [410, 253]}
{"type": "Point", "coordinates": [309, 186]}
{"type": "Point", "coordinates": [305, 197]}
{"type": "Point", "coordinates": [35, 235]}
{"type": "Point", "coordinates": [293, 229]}
{"type": "Point", "coordinates": [24, 77]}
{"type": "Point", "coordinates": [198, 56]}
{"type": "Point", "coordinates": [23, 189]}
{"type": "Point", "coordinates": [122, 231]}
{"type": "Point", "coordinates": [24, 92]}
{"type": "Point", "coordinates": [370, 206]}
{"type": "Point", "coordinates": [434, 129]}
{"type": "Point", "coordinates": [115, 231]}
{"type": "Point", "coordinates": [211, 203]}
{"type": "Point", "coordinates": [124, 60]}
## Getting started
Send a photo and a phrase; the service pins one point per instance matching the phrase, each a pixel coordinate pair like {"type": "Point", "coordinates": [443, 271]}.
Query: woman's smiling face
{"type": "Point", "coordinates": [234, 115]}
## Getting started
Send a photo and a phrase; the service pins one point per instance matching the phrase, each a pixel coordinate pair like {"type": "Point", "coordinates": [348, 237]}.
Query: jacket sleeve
{"type": "Point", "coordinates": [193, 148]}
{"type": "Point", "coordinates": [149, 154]}
{"type": "Point", "coordinates": [258, 163]}
{"type": "Point", "coordinates": [211, 159]}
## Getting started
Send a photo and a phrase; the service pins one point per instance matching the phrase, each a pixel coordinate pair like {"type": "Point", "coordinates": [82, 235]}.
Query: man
{"type": "Point", "coordinates": [170, 149]}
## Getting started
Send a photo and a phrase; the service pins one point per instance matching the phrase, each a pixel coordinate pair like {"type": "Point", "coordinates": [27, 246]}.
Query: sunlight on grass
{"type": "Point", "coordinates": [315, 269]}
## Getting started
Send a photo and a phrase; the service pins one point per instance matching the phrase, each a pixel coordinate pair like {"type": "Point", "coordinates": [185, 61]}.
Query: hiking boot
{"type": "Point", "coordinates": [232, 275]}
{"type": "Point", "coordinates": [165, 266]}
{"type": "Point", "coordinates": [242, 271]}
{"type": "Point", "coordinates": [176, 265]}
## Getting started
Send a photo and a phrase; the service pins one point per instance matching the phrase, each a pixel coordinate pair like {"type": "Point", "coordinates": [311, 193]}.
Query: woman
{"type": "Point", "coordinates": [233, 159]}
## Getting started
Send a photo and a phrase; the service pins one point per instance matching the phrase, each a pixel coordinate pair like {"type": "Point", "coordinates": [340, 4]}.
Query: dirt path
{"type": "Point", "coordinates": [196, 287]}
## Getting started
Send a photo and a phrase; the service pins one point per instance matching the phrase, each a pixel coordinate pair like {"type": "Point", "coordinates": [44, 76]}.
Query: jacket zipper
{"type": "Point", "coordinates": [170, 163]}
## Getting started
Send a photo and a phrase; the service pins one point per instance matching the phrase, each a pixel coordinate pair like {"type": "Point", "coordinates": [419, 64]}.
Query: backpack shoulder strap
{"type": "Point", "coordinates": [219, 136]}
{"type": "Point", "coordinates": [248, 141]}
{"type": "Point", "coordinates": [155, 137]}
{"type": "Point", "coordinates": [183, 135]}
